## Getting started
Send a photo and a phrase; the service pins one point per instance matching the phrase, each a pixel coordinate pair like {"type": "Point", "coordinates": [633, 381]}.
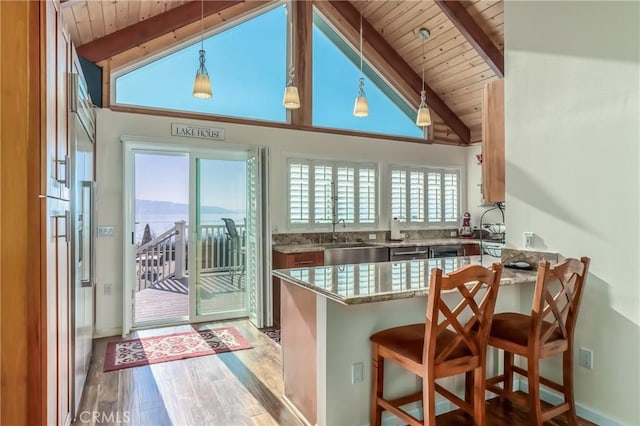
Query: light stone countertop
{"type": "Point", "coordinates": [303, 248]}
{"type": "Point", "coordinates": [382, 281]}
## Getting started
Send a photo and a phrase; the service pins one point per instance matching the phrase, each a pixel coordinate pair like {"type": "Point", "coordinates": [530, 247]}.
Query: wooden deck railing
{"type": "Point", "coordinates": [167, 255]}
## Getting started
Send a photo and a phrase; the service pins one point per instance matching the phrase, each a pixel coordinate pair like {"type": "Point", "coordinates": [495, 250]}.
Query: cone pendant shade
{"type": "Point", "coordinates": [202, 84]}
{"type": "Point", "coordinates": [361, 106]}
{"type": "Point", "coordinates": [423, 118]}
{"type": "Point", "coordinates": [291, 98]}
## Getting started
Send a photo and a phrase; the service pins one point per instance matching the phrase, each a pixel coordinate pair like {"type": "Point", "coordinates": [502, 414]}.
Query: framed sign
{"type": "Point", "coordinates": [200, 132]}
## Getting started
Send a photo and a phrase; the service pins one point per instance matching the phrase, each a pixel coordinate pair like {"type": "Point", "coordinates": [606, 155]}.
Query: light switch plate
{"type": "Point", "coordinates": [106, 231]}
{"type": "Point", "coordinates": [527, 239]}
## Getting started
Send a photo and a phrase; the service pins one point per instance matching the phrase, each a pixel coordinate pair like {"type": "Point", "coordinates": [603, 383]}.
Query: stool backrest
{"type": "Point", "coordinates": [556, 301]}
{"type": "Point", "coordinates": [470, 320]}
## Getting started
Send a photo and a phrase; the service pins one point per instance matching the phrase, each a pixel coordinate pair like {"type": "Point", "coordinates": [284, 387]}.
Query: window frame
{"type": "Point", "coordinates": [426, 169]}
{"type": "Point", "coordinates": [312, 225]}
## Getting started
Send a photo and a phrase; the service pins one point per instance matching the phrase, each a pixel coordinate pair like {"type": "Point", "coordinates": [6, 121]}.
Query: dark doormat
{"type": "Point", "coordinates": [273, 333]}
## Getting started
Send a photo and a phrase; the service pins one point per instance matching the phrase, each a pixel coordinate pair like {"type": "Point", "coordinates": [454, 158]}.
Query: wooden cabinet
{"type": "Point", "coordinates": [493, 142]}
{"type": "Point", "coordinates": [291, 260]}
{"type": "Point", "coordinates": [471, 249]}
{"type": "Point", "coordinates": [56, 187]}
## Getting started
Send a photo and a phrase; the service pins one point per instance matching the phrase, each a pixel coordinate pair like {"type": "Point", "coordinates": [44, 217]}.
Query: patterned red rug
{"type": "Point", "coordinates": [170, 347]}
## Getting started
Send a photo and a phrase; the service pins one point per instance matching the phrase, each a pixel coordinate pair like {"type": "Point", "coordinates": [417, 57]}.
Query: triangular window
{"type": "Point", "coordinates": [246, 64]}
{"type": "Point", "coordinates": [336, 70]}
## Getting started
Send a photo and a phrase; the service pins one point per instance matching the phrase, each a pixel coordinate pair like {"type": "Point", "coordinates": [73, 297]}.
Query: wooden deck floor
{"type": "Point", "coordinates": [169, 299]}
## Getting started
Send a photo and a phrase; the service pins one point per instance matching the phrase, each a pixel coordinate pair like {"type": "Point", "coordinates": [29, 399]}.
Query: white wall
{"type": "Point", "coordinates": [282, 142]}
{"type": "Point", "coordinates": [572, 158]}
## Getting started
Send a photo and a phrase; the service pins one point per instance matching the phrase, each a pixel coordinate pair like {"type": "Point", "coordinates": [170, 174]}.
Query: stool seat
{"type": "Point", "coordinates": [515, 328]}
{"type": "Point", "coordinates": [408, 341]}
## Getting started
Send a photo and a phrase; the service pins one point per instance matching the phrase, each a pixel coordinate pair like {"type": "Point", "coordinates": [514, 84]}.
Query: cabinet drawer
{"type": "Point", "coordinates": [309, 259]}
{"type": "Point", "coordinates": [297, 260]}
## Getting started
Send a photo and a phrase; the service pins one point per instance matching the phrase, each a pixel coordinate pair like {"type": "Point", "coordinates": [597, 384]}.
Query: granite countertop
{"type": "Point", "coordinates": [378, 282]}
{"type": "Point", "coordinates": [303, 248]}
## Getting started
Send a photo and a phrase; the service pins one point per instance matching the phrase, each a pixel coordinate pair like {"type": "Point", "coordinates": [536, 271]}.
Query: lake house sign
{"type": "Point", "coordinates": [188, 131]}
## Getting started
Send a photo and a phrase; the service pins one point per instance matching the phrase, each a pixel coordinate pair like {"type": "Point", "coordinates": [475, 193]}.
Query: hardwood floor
{"type": "Point", "coordinates": [501, 412]}
{"type": "Point", "coordinates": [235, 388]}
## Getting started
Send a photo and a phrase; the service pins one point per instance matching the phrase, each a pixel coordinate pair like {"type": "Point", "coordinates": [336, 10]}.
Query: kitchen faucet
{"type": "Point", "coordinates": [334, 213]}
{"type": "Point", "coordinates": [335, 222]}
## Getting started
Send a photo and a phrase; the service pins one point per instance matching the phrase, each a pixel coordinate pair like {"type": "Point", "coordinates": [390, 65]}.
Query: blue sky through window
{"type": "Point", "coordinates": [247, 65]}
{"type": "Point", "coordinates": [335, 86]}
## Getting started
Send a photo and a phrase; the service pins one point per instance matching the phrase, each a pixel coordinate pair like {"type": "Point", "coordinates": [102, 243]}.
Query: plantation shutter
{"type": "Point", "coordinates": [299, 193]}
{"type": "Point", "coordinates": [345, 190]}
{"type": "Point", "coordinates": [399, 195]}
{"type": "Point", "coordinates": [450, 188]}
{"type": "Point", "coordinates": [434, 196]}
{"type": "Point", "coordinates": [416, 196]}
{"type": "Point", "coordinates": [367, 195]}
{"type": "Point", "coordinates": [323, 200]}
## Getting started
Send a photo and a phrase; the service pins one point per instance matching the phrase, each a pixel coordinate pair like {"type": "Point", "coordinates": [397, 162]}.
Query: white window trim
{"type": "Point", "coordinates": [426, 169]}
{"type": "Point", "coordinates": [335, 164]}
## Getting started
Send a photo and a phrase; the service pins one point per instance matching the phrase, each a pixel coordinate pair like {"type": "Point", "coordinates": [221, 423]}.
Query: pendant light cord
{"type": "Point", "coordinates": [423, 40]}
{"type": "Point", "coordinates": [202, 25]}
{"type": "Point", "coordinates": [360, 44]}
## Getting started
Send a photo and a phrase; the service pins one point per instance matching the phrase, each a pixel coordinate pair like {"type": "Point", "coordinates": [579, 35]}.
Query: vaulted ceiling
{"type": "Point", "coordinates": [463, 53]}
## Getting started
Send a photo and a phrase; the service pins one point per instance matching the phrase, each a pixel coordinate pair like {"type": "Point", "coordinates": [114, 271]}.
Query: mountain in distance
{"type": "Point", "coordinates": [146, 207]}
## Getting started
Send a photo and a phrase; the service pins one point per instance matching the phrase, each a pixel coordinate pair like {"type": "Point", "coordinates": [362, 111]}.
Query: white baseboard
{"type": "Point", "coordinates": [109, 332]}
{"type": "Point", "coordinates": [555, 398]}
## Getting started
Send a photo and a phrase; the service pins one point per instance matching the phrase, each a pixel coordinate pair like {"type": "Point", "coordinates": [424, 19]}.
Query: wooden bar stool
{"type": "Point", "coordinates": [446, 344]}
{"type": "Point", "coordinates": [547, 331]}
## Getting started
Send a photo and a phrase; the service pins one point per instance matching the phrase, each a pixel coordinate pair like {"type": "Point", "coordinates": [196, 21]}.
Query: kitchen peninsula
{"type": "Point", "coordinates": [328, 314]}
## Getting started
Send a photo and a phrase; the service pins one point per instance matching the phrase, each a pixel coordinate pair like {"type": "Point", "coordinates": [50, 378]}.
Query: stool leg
{"type": "Point", "coordinates": [567, 383]}
{"type": "Point", "coordinates": [377, 383]}
{"type": "Point", "coordinates": [533, 377]}
{"type": "Point", "coordinates": [508, 372]}
{"type": "Point", "coordinates": [478, 394]}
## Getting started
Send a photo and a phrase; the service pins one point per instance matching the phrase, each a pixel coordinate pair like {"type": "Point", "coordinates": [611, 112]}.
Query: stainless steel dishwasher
{"type": "Point", "coordinates": [408, 253]}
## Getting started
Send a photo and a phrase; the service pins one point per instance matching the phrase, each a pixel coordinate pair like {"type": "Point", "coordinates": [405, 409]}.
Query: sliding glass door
{"type": "Point", "coordinates": [195, 221]}
{"type": "Point", "coordinates": [219, 236]}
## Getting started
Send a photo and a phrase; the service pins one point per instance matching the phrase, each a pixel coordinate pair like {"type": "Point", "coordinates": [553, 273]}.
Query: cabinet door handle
{"type": "Point", "coordinates": [304, 262]}
{"type": "Point", "coordinates": [66, 180]}
{"type": "Point", "coordinates": [67, 225]}
{"type": "Point", "coordinates": [404, 253]}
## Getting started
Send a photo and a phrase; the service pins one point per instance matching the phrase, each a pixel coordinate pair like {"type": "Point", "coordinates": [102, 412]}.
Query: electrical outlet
{"type": "Point", "coordinates": [372, 236]}
{"type": "Point", "coordinates": [357, 373]}
{"type": "Point", "coordinates": [585, 358]}
{"type": "Point", "coordinates": [108, 289]}
{"type": "Point", "coordinates": [528, 239]}
{"type": "Point", "coordinates": [454, 233]}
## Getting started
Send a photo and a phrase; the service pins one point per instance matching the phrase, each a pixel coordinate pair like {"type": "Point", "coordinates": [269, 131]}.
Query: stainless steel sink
{"type": "Point", "coordinates": [351, 253]}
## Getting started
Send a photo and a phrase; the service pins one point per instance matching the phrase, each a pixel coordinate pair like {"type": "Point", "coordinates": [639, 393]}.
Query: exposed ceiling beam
{"type": "Point", "coordinates": [156, 26]}
{"type": "Point", "coordinates": [464, 22]}
{"type": "Point", "coordinates": [378, 43]}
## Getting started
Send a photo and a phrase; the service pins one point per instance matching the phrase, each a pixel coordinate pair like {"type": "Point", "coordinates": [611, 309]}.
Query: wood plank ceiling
{"type": "Point", "coordinates": [454, 68]}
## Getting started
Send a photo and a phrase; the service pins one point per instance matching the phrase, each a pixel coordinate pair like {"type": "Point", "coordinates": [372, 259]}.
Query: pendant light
{"type": "Point", "coordinates": [291, 99]}
{"type": "Point", "coordinates": [361, 107]}
{"type": "Point", "coordinates": [202, 84]}
{"type": "Point", "coordinates": [423, 118]}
